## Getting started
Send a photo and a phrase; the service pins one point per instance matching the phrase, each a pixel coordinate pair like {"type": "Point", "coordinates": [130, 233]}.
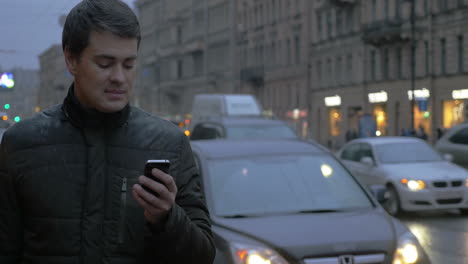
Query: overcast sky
{"type": "Point", "coordinates": [29, 27]}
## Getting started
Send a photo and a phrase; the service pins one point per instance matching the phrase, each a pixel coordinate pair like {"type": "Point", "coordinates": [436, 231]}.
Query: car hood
{"type": "Point", "coordinates": [426, 171]}
{"type": "Point", "coordinates": [319, 234]}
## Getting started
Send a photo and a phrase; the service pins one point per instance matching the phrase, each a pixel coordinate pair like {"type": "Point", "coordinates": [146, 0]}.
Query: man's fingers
{"type": "Point", "coordinates": [166, 179]}
{"type": "Point", "coordinates": [140, 201]}
{"type": "Point", "coordinates": [148, 197]}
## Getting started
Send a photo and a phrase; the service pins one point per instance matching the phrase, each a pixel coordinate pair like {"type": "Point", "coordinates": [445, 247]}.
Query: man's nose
{"type": "Point", "coordinates": [117, 74]}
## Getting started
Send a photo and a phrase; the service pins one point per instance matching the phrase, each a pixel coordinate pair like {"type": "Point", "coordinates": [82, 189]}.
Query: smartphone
{"type": "Point", "coordinates": [162, 165]}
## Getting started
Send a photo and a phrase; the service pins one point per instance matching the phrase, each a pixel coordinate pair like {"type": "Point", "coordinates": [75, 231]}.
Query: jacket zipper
{"type": "Point", "coordinates": [123, 206]}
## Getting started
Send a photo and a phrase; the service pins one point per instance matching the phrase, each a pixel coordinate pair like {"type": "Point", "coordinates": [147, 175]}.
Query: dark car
{"type": "Point", "coordinates": [242, 128]}
{"type": "Point", "coordinates": [455, 143]}
{"type": "Point", "coordinates": [290, 201]}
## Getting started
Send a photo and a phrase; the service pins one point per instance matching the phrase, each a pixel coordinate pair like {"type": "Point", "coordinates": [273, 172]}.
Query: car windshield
{"type": "Point", "coordinates": [255, 132]}
{"type": "Point", "coordinates": [406, 153]}
{"type": "Point", "coordinates": [280, 184]}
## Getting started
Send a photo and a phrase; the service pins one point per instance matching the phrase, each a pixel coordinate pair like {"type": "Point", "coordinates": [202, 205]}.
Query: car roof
{"type": "Point", "coordinates": [386, 140]}
{"type": "Point", "coordinates": [244, 121]}
{"type": "Point", "coordinates": [224, 148]}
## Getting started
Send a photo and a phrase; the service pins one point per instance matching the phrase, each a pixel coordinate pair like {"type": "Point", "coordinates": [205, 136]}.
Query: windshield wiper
{"type": "Point", "coordinates": [237, 216]}
{"type": "Point", "coordinates": [313, 211]}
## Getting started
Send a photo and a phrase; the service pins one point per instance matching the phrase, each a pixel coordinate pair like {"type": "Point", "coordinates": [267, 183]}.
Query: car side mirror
{"type": "Point", "coordinates": [367, 161]}
{"type": "Point", "coordinates": [380, 193]}
{"type": "Point", "coordinates": [448, 157]}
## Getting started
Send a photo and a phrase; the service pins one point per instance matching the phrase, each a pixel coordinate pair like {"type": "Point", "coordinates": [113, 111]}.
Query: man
{"type": "Point", "coordinates": [71, 178]}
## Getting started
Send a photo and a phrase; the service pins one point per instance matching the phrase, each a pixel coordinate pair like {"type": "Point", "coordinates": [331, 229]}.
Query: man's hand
{"type": "Point", "coordinates": [156, 207]}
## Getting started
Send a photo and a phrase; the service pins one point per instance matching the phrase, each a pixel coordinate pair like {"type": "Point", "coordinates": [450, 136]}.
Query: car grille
{"type": "Point", "coordinates": [440, 184]}
{"type": "Point", "coordinates": [449, 201]}
{"type": "Point", "coordinates": [357, 259]}
{"type": "Point", "coordinates": [444, 184]}
{"type": "Point", "coordinates": [457, 183]}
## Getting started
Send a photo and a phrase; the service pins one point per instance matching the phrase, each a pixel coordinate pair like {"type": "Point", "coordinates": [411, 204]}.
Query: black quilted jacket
{"type": "Point", "coordinates": [65, 190]}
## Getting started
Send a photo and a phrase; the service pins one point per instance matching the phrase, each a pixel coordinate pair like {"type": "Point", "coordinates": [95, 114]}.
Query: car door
{"type": "Point", "coordinates": [351, 157]}
{"type": "Point", "coordinates": [369, 172]}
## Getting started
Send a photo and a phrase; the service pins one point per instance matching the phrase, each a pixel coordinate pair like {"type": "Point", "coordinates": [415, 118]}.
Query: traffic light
{"type": "Point", "coordinates": [5, 118]}
{"type": "Point", "coordinates": [6, 106]}
{"type": "Point", "coordinates": [17, 119]}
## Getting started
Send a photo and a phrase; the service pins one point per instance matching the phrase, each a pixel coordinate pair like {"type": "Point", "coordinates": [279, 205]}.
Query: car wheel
{"type": "Point", "coordinates": [464, 211]}
{"type": "Point", "coordinates": [392, 205]}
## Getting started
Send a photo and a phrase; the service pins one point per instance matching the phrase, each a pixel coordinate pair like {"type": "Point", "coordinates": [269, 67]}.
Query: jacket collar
{"type": "Point", "coordinates": [91, 118]}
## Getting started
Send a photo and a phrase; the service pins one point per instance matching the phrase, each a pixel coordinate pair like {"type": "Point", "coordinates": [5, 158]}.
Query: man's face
{"type": "Point", "coordinates": [105, 72]}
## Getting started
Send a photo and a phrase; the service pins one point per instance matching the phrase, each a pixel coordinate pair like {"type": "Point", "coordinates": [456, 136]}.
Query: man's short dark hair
{"type": "Point", "coordinates": [114, 16]}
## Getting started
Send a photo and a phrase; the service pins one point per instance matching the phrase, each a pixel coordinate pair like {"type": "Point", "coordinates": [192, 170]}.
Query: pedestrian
{"type": "Point", "coordinates": [421, 133]}
{"type": "Point", "coordinates": [71, 177]}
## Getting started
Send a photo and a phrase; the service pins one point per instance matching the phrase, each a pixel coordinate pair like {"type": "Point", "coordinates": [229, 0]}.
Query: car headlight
{"type": "Point", "coordinates": [407, 251]}
{"type": "Point", "coordinates": [414, 185]}
{"type": "Point", "coordinates": [250, 254]}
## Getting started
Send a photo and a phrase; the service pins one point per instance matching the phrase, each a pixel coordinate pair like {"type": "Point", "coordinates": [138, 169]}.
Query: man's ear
{"type": "Point", "coordinates": [70, 61]}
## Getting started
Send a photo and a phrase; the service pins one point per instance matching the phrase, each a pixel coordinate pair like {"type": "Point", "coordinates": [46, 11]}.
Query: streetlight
{"type": "Point", "coordinates": [413, 59]}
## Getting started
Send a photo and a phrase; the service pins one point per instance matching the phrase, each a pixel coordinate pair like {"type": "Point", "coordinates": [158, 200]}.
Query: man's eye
{"type": "Point", "coordinates": [129, 66]}
{"type": "Point", "coordinates": [103, 65]}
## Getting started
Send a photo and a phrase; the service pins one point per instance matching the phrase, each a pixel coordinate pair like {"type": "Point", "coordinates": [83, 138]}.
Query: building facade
{"type": "Point", "coordinates": [188, 47]}
{"type": "Point", "coordinates": [54, 77]}
{"type": "Point", "coordinates": [21, 99]}
{"type": "Point", "coordinates": [361, 65]}
{"type": "Point", "coordinates": [272, 42]}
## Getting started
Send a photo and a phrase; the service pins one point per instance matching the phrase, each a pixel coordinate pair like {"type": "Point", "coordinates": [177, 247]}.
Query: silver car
{"type": "Point", "coordinates": [418, 177]}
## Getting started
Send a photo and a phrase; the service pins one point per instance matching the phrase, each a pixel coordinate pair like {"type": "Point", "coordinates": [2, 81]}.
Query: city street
{"type": "Point", "coordinates": [444, 235]}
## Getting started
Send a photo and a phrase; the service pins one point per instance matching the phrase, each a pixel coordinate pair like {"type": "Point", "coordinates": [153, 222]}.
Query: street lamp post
{"type": "Point", "coordinates": [413, 60]}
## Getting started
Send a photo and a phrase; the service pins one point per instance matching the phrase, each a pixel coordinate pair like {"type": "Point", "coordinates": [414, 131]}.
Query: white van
{"type": "Point", "coordinates": [214, 106]}
{"type": "Point", "coordinates": [225, 105]}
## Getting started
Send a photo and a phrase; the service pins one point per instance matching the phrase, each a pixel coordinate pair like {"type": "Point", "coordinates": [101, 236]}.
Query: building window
{"type": "Point", "coordinates": [329, 71]}
{"type": "Point", "coordinates": [374, 10]}
{"type": "Point", "coordinates": [179, 34]}
{"type": "Point", "coordinates": [273, 53]}
{"type": "Point", "coordinates": [297, 49]}
{"type": "Point", "coordinates": [180, 68]}
{"type": "Point", "coordinates": [426, 56]}
{"type": "Point", "coordinates": [288, 52]}
{"type": "Point", "coordinates": [461, 54]}
{"type": "Point", "coordinates": [349, 19]}
{"type": "Point", "coordinates": [273, 9]}
{"type": "Point", "coordinates": [443, 56]}
{"type": "Point", "coordinates": [339, 22]}
{"type": "Point", "coordinates": [399, 63]}
{"type": "Point", "coordinates": [460, 3]}
{"type": "Point", "coordinates": [198, 63]}
{"type": "Point", "coordinates": [442, 5]}
{"type": "Point", "coordinates": [319, 72]}
{"type": "Point", "coordinates": [426, 7]}
{"type": "Point", "coordinates": [338, 70]}
{"type": "Point", "coordinates": [385, 63]}
{"type": "Point", "coordinates": [319, 25]}
{"type": "Point", "coordinates": [373, 64]}
{"type": "Point", "coordinates": [349, 66]}
{"type": "Point", "coordinates": [386, 9]}
{"type": "Point", "coordinates": [329, 24]}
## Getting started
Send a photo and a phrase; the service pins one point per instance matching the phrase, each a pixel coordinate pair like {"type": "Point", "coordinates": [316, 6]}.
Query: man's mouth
{"type": "Point", "coordinates": [115, 91]}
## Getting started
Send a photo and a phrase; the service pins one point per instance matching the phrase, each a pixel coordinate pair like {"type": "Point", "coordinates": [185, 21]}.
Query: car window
{"type": "Point", "coordinates": [206, 131]}
{"type": "Point", "coordinates": [365, 151]}
{"type": "Point", "coordinates": [406, 152]}
{"type": "Point", "coordinates": [282, 184]}
{"type": "Point", "coordinates": [460, 137]}
{"type": "Point", "coordinates": [260, 131]}
{"type": "Point", "coordinates": [351, 152]}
